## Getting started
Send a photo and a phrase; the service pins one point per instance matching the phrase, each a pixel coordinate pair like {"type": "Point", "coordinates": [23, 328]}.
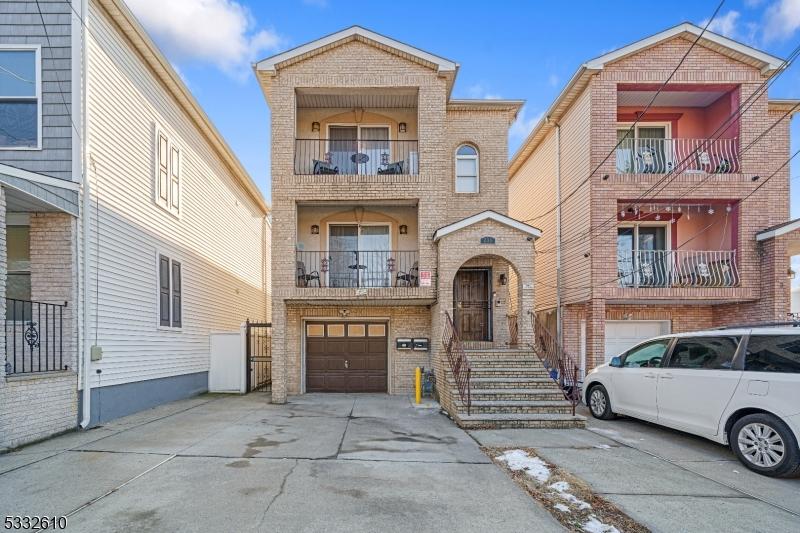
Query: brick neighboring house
{"type": "Point", "coordinates": [109, 175]}
{"type": "Point", "coordinates": [696, 250]}
{"type": "Point", "coordinates": [390, 210]}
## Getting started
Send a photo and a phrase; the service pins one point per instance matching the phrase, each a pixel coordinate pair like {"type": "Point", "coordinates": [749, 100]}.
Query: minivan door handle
{"type": "Point", "coordinates": [650, 376]}
{"type": "Point", "coordinates": [667, 376]}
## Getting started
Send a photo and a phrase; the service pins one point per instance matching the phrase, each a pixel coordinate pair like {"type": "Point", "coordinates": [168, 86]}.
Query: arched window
{"type": "Point", "coordinates": [467, 168]}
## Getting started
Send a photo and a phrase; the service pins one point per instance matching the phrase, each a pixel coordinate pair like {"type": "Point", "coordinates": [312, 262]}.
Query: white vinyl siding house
{"type": "Point", "coordinates": [160, 189]}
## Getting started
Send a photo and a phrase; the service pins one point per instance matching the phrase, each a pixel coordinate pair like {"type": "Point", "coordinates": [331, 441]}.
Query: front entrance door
{"type": "Point", "coordinates": [346, 356]}
{"type": "Point", "coordinates": [472, 304]}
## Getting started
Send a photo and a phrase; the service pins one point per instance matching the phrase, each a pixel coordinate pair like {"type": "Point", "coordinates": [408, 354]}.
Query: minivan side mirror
{"type": "Point", "coordinates": [616, 362]}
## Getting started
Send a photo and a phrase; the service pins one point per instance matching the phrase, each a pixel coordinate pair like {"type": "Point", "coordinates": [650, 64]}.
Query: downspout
{"type": "Point", "coordinates": [87, 353]}
{"type": "Point", "coordinates": [559, 328]}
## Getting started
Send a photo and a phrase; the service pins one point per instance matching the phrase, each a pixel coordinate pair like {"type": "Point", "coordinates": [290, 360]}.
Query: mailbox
{"type": "Point", "coordinates": [403, 344]}
{"type": "Point", "coordinates": [421, 345]}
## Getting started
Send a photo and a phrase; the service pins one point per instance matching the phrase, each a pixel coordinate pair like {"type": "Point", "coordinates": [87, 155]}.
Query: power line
{"type": "Point", "coordinates": [669, 252]}
{"type": "Point", "coordinates": [633, 126]}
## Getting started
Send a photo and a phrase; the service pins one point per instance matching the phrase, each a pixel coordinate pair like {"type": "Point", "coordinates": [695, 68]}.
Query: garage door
{"type": "Point", "coordinates": [624, 334]}
{"type": "Point", "coordinates": [346, 357]}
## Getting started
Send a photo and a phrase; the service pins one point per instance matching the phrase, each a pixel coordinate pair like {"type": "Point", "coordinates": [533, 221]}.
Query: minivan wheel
{"type": "Point", "coordinates": [599, 403]}
{"type": "Point", "coordinates": [764, 444]}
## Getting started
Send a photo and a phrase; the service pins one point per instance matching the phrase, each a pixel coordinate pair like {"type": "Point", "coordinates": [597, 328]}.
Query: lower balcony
{"type": "Point", "coordinates": [677, 268]}
{"type": "Point", "coordinates": [354, 269]}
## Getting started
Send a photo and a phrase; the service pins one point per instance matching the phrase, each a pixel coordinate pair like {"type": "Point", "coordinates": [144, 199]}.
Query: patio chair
{"type": "Point", "coordinates": [323, 167]}
{"type": "Point", "coordinates": [304, 278]}
{"type": "Point", "coordinates": [410, 278]}
{"type": "Point", "coordinates": [392, 168]}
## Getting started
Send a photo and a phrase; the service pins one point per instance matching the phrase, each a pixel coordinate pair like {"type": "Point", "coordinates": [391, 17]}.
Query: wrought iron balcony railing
{"type": "Point", "coordinates": [356, 269]}
{"type": "Point", "coordinates": [34, 337]}
{"type": "Point", "coordinates": [364, 157]}
{"type": "Point", "coordinates": [677, 268]}
{"type": "Point", "coordinates": [660, 156]}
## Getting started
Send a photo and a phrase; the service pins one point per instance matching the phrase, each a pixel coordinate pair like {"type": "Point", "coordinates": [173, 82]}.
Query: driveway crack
{"type": "Point", "coordinates": [346, 425]}
{"type": "Point", "coordinates": [277, 495]}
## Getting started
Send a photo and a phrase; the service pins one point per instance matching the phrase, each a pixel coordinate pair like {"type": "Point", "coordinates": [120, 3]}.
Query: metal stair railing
{"type": "Point", "coordinates": [561, 366]}
{"type": "Point", "coordinates": [457, 358]}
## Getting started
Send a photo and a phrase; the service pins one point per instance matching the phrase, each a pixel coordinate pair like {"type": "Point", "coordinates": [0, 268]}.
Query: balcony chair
{"type": "Point", "coordinates": [323, 167]}
{"type": "Point", "coordinates": [305, 278]}
{"type": "Point", "coordinates": [392, 168]}
{"type": "Point", "coordinates": [410, 278]}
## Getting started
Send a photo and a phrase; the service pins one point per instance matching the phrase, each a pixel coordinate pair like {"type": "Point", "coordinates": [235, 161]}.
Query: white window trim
{"type": "Point", "coordinates": [171, 257]}
{"type": "Point", "coordinates": [477, 159]}
{"type": "Point", "coordinates": [171, 145]}
{"type": "Point", "coordinates": [649, 224]}
{"type": "Point", "coordinates": [37, 48]}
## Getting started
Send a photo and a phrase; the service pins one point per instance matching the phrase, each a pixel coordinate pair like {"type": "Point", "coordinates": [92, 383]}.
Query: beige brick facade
{"type": "Point", "coordinates": [591, 292]}
{"type": "Point", "coordinates": [356, 65]}
{"type": "Point", "coordinates": [37, 405]}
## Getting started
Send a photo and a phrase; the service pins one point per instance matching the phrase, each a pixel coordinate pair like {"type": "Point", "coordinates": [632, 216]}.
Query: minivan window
{"type": "Point", "coordinates": [704, 353]}
{"type": "Point", "coordinates": [773, 353]}
{"type": "Point", "coordinates": [647, 355]}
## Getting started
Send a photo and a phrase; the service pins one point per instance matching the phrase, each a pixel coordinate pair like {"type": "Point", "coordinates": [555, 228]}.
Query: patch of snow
{"type": "Point", "coordinates": [574, 500]}
{"type": "Point", "coordinates": [520, 460]}
{"type": "Point", "coordinates": [602, 446]}
{"type": "Point", "coordinates": [593, 525]}
{"type": "Point", "coordinates": [560, 486]}
{"type": "Point", "coordinates": [563, 508]}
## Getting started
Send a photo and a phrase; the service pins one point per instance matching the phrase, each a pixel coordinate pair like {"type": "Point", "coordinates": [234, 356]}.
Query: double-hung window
{"type": "Point", "coordinates": [467, 169]}
{"type": "Point", "coordinates": [20, 97]}
{"type": "Point", "coordinates": [168, 173]}
{"type": "Point", "coordinates": [170, 293]}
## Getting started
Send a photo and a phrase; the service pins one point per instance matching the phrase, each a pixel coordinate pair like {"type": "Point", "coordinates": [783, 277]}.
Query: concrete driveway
{"type": "Point", "coordinates": [321, 462]}
{"type": "Point", "coordinates": [667, 480]}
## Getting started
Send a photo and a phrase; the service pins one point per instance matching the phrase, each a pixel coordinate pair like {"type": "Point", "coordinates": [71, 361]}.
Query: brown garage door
{"type": "Point", "coordinates": [346, 356]}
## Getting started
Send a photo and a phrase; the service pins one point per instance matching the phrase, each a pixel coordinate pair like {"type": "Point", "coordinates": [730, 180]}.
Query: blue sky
{"type": "Point", "coordinates": [524, 50]}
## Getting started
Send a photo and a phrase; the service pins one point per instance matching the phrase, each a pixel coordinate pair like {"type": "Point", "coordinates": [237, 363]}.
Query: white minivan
{"type": "Point", "coordinates": [736, 386]}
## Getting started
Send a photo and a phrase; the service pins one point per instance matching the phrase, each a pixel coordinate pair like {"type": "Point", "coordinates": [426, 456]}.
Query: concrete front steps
{"type": "Point", "coordinates": [511, 389]}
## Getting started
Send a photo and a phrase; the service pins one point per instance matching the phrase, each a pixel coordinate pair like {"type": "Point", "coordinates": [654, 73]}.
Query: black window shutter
{"type": "Point", "coordinates": [176, 294]}
{"type": "Point", "coordinates": [163, 290]}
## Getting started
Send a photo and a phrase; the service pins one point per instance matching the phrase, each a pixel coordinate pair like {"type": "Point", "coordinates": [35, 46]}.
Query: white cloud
{"type": "Point", "coordinates": [726, 24]}
{"type": "Point", "coordinates": [782, 20]}
{"type": "Point", "coordinates": [219, 32]}
{"type": "Point", "coordinates": [478, 91]}
{"type": "Point", "coordinates": [524, 124]}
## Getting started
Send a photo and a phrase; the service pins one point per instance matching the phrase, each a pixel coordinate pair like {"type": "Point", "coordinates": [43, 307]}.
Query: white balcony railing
{"type": "Point", "coordinates": [659, 156]}
{"type": "Point", "coordinates": [677, 268]}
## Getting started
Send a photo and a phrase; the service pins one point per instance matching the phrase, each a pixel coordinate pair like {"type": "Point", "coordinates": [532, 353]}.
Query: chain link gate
{"type": "Point", "coordinates": [259, 356]}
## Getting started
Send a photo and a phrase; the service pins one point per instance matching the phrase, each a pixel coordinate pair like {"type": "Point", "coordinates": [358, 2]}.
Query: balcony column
{"type": "Point", "coordinates": [595, 332]}
{"type": "Point", "coordinates": [53, 271]}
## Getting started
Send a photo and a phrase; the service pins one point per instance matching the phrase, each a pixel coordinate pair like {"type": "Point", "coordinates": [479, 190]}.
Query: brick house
{"type": "Point", "coordinates": [390, 214]}
{"type": "Point", "coordinates": [112, 271]}
{"type": "Point", "coordinates": [682, 227]}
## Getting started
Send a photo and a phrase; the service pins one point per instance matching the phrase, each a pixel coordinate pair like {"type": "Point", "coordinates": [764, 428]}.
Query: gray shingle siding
{"type": "Point", "coordinates": [20, 23]}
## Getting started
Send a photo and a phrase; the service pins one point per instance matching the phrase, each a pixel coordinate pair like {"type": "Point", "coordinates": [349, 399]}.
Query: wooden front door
{"type": "Point", "coordinates": [472, 304]}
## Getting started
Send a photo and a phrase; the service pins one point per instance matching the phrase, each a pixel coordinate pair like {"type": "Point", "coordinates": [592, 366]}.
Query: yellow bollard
{"type": "Point", "coordinates": [418, 385]}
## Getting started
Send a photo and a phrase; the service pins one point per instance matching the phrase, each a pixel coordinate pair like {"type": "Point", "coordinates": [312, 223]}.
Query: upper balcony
{"type": "Point", "coordinates": [688, 128]}
{"type": "Point", "coordinates": [365, 132]}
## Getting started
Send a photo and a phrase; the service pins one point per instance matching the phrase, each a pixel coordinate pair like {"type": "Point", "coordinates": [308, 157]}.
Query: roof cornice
{"type": "Point", "coordinates": [152, 56]}
{"type": "Point", "coordinates": [535, 233]}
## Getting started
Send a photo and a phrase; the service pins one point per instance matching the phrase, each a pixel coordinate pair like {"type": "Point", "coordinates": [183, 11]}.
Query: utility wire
{"type": "Point", "coordinates": [653, 99]}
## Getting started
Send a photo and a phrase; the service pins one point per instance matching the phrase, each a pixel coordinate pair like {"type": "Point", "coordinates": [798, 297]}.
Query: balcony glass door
{"type": "Point", "coordinates": [359, 255]}
{"type": "Point", "coordinates": [343, 258]}
{"type": "Point", "coordinates": [645, 150]}
{"type": "Point", "coordinates": [374, 143]}
{"type": "Point", "coordinates": [374, 253]}
{"type": "Point", "coordinates": [642, 256]}
{"type": "Point", "coordinates": [342, 146]}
